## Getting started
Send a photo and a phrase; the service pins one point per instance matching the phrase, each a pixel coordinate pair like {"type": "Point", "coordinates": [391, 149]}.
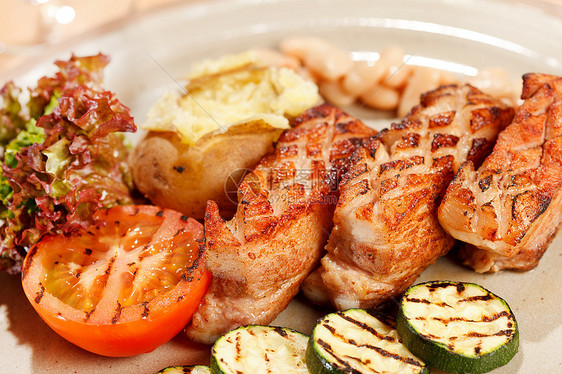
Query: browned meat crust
{"type": "Point", "coordinates": [284, 216]}
{"type": "Point", "coordinates": [386, 230]}
{"type": "Point", "coordinates": [511, 208]}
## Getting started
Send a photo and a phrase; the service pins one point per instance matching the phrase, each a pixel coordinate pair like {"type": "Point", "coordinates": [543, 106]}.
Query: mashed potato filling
{"type": "Point", "coordinates": [233, 89]}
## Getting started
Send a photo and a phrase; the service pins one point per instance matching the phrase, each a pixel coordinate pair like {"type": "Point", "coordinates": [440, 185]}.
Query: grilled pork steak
{"type": "Point", "coordinates": [277, 236]}
{"type": "Point", "coordinates": [386, 230]}
{"type": "Point", "coordinates": [510, 209]}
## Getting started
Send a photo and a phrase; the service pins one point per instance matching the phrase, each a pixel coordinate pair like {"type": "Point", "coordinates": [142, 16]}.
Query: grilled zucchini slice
{"type": "Point", "coordinates": [457, 327]}
{"type": "Point", "coordinates": [260, 349]}
{"type": "Point", "coordinates": [196, 369]}
{"type": "Point", "coordinates": [354, 341]}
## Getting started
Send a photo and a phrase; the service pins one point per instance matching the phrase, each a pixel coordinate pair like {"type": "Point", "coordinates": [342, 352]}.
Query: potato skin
{"type": "Point", "coordinates": [183, 177]}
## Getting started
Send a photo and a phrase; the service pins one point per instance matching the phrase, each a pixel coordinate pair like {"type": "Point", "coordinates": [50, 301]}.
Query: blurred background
{"type": "Point", "coordinates": [28, 27]}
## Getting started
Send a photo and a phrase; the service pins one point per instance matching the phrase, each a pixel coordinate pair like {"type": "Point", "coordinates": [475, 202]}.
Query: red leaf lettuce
{"type": "Point", "coordinates": [63, 156]}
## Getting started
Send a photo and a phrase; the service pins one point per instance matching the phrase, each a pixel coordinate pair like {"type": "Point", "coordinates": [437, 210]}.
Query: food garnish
{"type": "Point", "coordinates": [63, 156]}
{"type": "Point", "coordinates": [260, 349]}
{"type": "Point", "coordinates": [354, 341]}
{"type": "Point", "coordinates": [457, 327]}
{"type": "Point", "coordinates": [123, 286]}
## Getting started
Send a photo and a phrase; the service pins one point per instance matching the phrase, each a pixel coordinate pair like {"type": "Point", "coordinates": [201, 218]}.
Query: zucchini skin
{"type": "Point", "coordinates": [318, 364]}
{"type": "Point", "coordinates": [437, 355]}
{"type": "Point", "coordinates": [214, 365]}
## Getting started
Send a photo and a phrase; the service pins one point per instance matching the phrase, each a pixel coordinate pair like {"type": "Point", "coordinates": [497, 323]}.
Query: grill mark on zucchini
{"type": "Point", "coordinates": [328, 348]}
{"type": "Point", "coordinates": [366, 327]}
{"type": "Point", "coordinates": [330, 328]}
{"type": "Point", "coordinates": [474, 340]}
{"type": "Point", "coordinates": [476, 298]}
{"type": "Point", "coordinates": [337, 334]}
{"type": "Point", "coordinates": [468, 335]}
{"type": "Point", "coordinates": [237, 347]}
{"type": "Point", "coordinates": [499, 333]}
{"type": "Point", "coordinates": [434, 337]}
{"type": "Point", "coordinates": [462, 319]}
{"type": "Point", "coordinates": [395, 356]}
{"type": "Point", "coordinates": [331, 332]}
{"type": "Point", "coordinates": [259, 349]}
{"type": "Point", "coordinates": [459, 286]}
{"type": "Point", "coordinates": [266, 359]}
{"type": "Point", "coordinates": [425, 301]}
{"type": "Point", "coordinates": [280, 331]}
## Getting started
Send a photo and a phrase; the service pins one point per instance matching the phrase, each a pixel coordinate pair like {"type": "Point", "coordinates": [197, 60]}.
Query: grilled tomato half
{"type": "Point", "coordinates": [123, 286]}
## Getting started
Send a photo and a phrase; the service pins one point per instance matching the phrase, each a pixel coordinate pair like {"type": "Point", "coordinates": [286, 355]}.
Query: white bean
{"type": "Point", "coordinates": [393, 56]}
{"type": "Point", "coordinates": [319, 56]}
{"type": "Point", "coordinates": [398, 77]}
{"type": "Point", "coordinates": [422, 80]}
{"type": "Point", "coordinates": [329, 62]}
{"type": "Point", "coordinates": [299, 46]}
{"type": "Point", "coordinates": [388, 84]}
{"type": "Point", "coordinates": [399, 72]}
{"type": "Point", "coordinates": [333, 92]}
{"type": "Point", "coordinates": [493, 81]}
{"type": "Point", "coordinates": [363, 76]}
{"type": "Point", "coordinates": [381, 97]}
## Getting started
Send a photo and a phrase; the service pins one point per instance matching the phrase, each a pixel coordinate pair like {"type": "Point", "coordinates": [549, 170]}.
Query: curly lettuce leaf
{"type": "Point", "coordinates": [77, 71]}
{"type": "Point", "coordinates": [31, 135]}
{"type": "Point", "coordinates": [59, 171]}
{"type": "Point", "coordinates": [12, 119]}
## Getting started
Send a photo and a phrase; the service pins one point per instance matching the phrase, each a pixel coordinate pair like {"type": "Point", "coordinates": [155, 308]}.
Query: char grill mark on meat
{"type": "Point", "coordinates": [277, 236]}
{"type": "Point", "coordinates": [510, 208]}
{"type": "Point", "coordinates": [386, 230]}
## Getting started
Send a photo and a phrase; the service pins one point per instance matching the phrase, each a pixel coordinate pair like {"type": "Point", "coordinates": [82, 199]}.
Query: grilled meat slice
{"type": "Point", "coordinates": [386, 230]}
{"type": "Point", "coordinates": [277, 236]}
{"type": "Point", "coordinates": [511, 208]}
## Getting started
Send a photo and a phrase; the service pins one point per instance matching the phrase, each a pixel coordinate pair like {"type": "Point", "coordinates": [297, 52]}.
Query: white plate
{"type": "Point", "coordinates": [465, 34]}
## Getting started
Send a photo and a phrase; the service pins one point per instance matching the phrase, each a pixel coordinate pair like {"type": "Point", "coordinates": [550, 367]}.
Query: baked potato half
{"type": "Point", "coordinates": [176, 175]}
{"type": "Point", "coordinates": [201, 141]}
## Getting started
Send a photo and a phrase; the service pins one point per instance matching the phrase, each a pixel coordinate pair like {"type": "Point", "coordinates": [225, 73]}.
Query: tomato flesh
{"type": "Point", "coordinates": [124, 286]}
